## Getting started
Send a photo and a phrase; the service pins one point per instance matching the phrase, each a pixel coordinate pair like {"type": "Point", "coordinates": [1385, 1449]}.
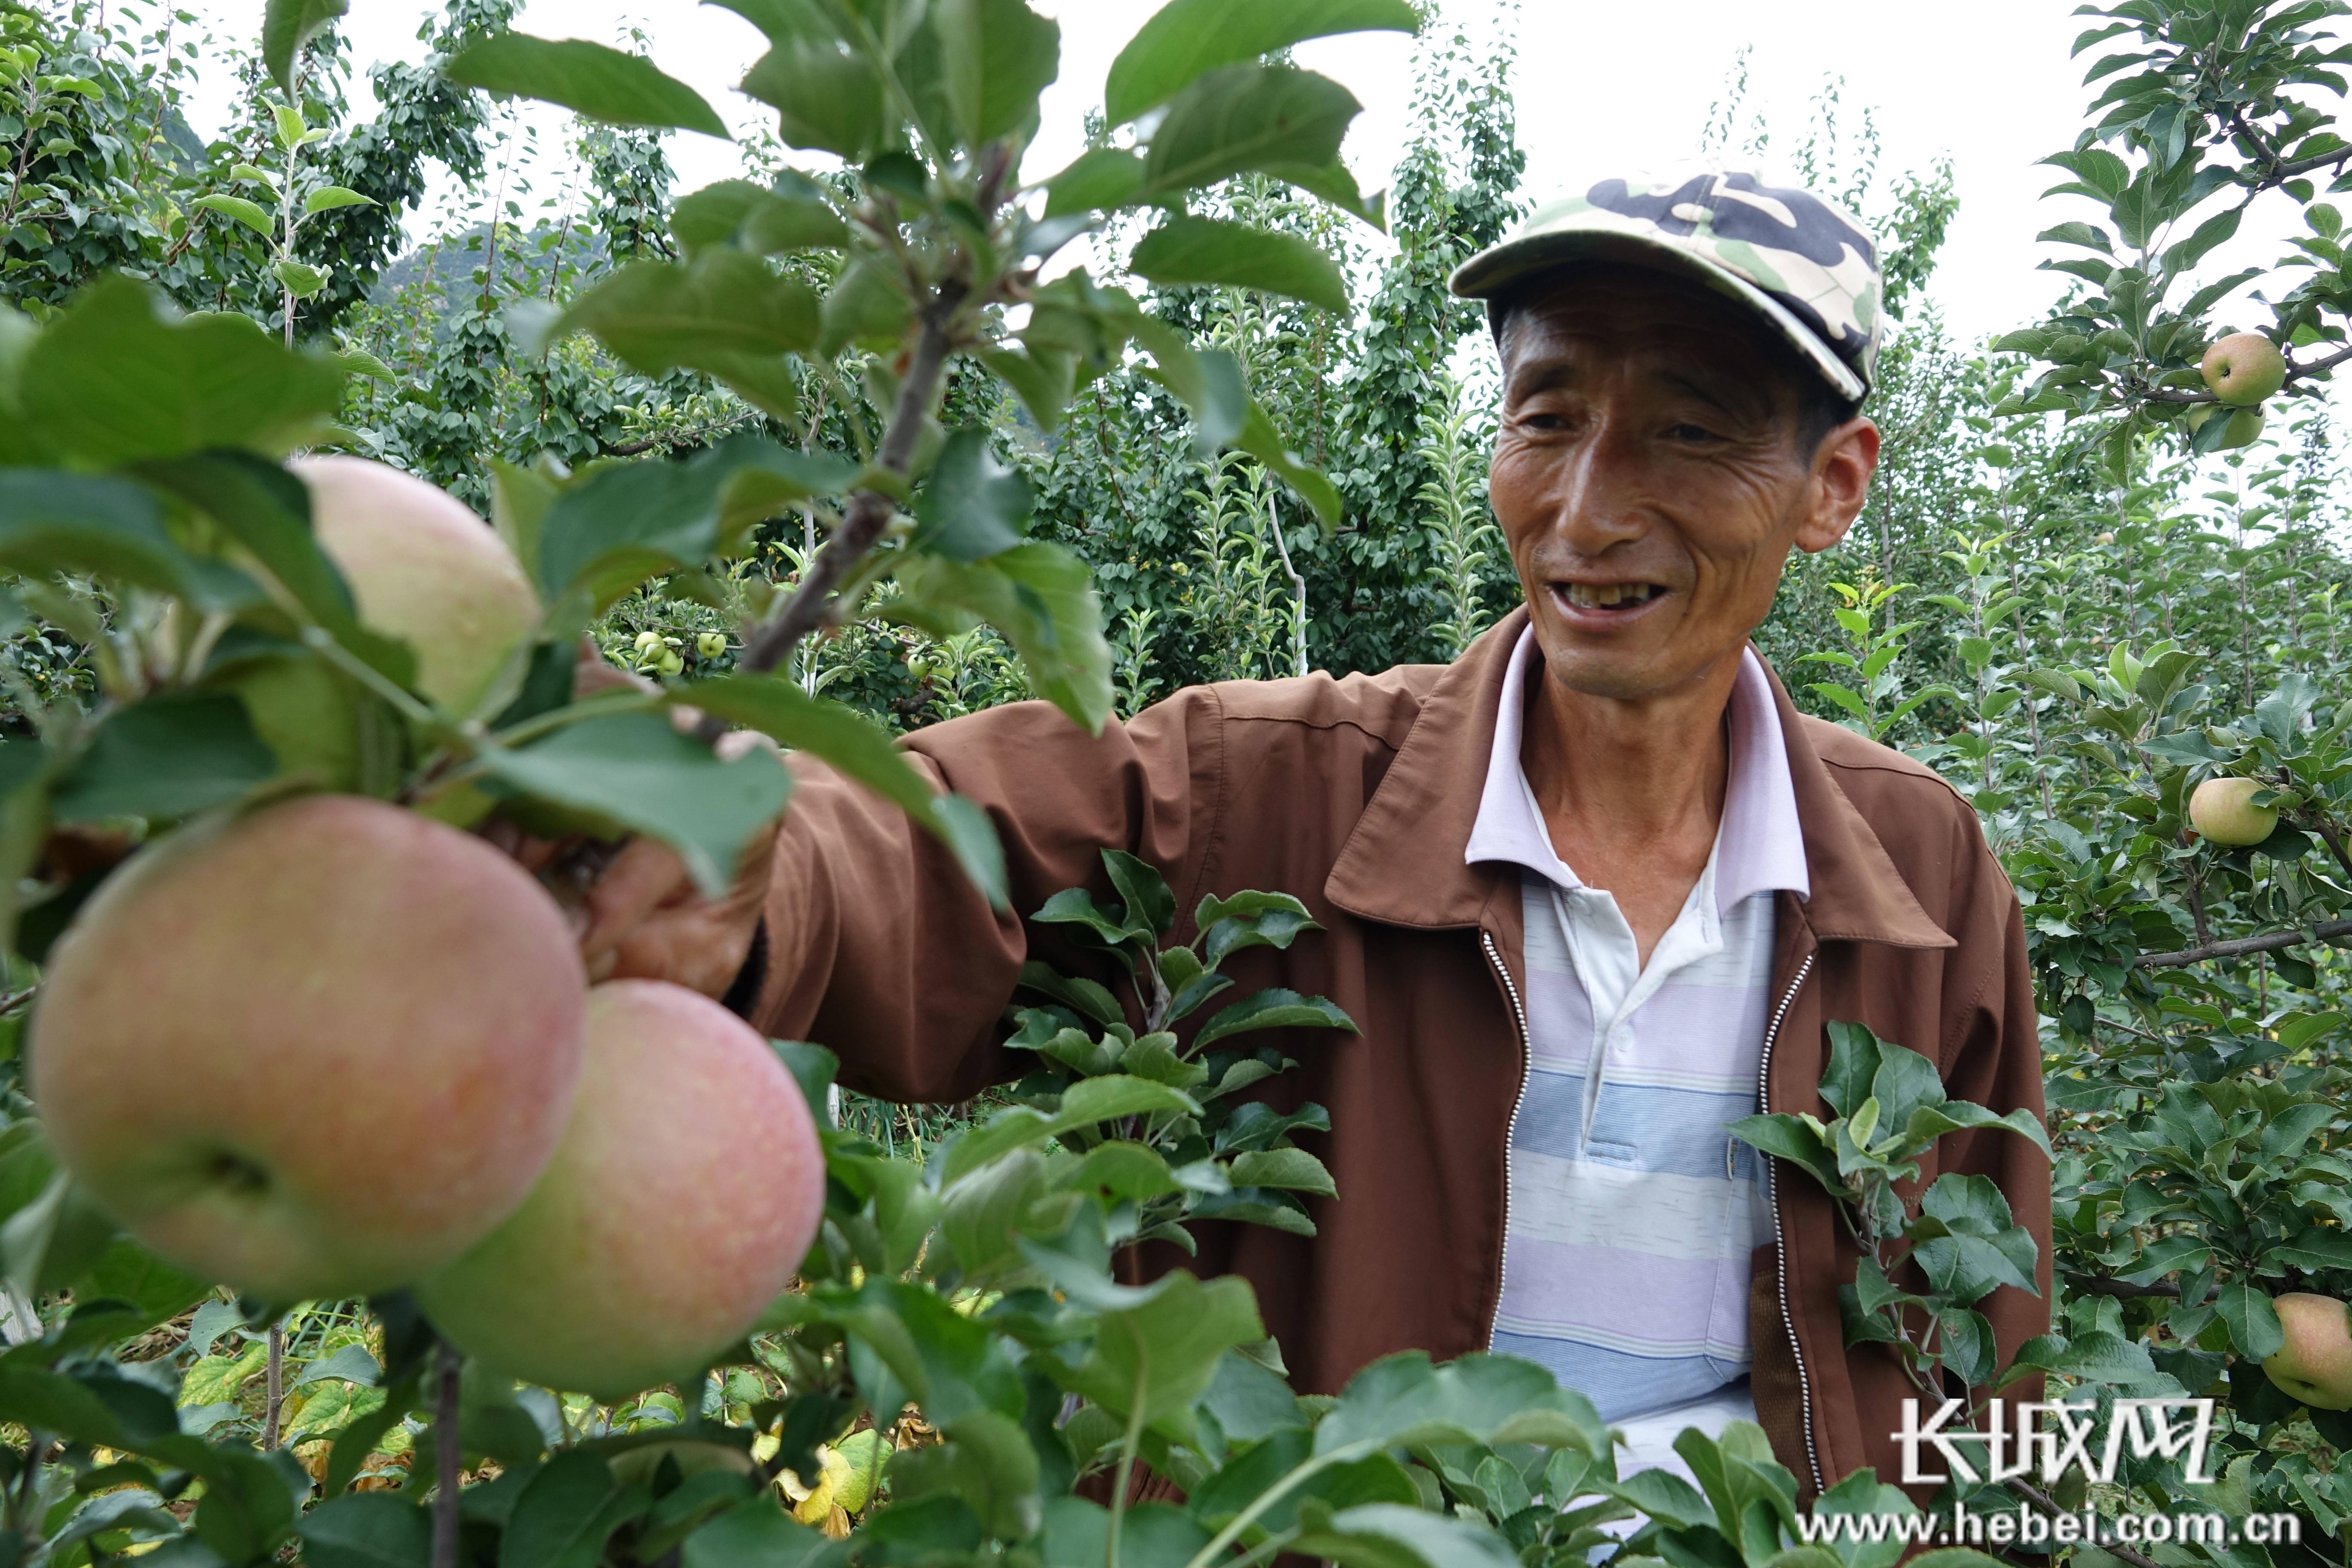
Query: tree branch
{"type": "Point", "coordinates": [869, 511]}
{"type": "Point", "coordinates": [2325, 931]}
{"type": "Point", "coordinates": [449, 1461]}
{"type": "Point", "coordinates": [2049, 1505]}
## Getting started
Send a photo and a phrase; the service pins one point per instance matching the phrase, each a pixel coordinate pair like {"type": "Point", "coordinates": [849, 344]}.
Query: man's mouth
{"type": "Point", "coordinates": [1618, 597]}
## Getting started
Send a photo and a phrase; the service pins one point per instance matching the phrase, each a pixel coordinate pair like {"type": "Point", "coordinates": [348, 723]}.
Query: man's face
{"type": "Point", "coordinates": [1648, 476]}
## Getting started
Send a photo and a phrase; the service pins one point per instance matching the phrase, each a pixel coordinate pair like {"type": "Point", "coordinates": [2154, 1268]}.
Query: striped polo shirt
{"type": "Point", "coordinates": [1632, 1211]}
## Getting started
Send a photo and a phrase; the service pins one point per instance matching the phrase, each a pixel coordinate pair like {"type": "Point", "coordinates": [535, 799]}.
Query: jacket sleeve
{"type": "Point", "coordinates": [1995, 1061]}
{"type": "Point", "coordinates": [881, 947]}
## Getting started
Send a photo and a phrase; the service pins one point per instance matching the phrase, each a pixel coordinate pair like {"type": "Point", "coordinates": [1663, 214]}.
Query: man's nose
{"type": "Point", "coordinates": [1602, 495]}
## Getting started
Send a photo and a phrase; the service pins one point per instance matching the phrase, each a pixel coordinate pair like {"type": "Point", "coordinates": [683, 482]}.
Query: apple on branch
{"type": "Point", "coordinates": [2224, 812]}
{"type": "Point", "coordinates": [2314, 1364]}
{"type": "Point", "coordinates": [313, 1051]}
{"type": "Point", "coordinates": [2243, 369]}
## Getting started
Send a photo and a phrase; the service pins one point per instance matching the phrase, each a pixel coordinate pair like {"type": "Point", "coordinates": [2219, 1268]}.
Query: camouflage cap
{"type": "Point", "coordinates": [1802, 262]}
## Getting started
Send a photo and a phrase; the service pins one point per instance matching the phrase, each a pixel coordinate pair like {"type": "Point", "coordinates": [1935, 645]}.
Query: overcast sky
{"type": "Point", "coordinates": [1601, 89]}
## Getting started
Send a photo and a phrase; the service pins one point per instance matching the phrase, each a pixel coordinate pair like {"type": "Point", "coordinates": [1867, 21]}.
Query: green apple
{"type": "Point", "coordinates": [710, 645]}
{"type": "Point", "coordinates": [2243, 369]}
{"type": "Point", "coordinates": [648, 641]}
{"type": "Point", "coordinates": [314, 1051]}
{"type": "Point", "coordinates": [681, 1203]}
{"type": "Point", "coordinates": [2245, 424]}
{"type": "Point", "coordinates": [422, 567]}
{"type": "Point", "coordinates": [2314, 1365]}
{"type": "Point", "coordinates": [2223, 811]}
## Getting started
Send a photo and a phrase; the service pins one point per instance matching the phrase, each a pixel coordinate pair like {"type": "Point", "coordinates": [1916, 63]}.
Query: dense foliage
{"type": "Point", "coordinates": [2076, 592]}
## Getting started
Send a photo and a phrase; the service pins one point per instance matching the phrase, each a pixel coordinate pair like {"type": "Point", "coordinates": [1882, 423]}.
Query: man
{"type": "Point", "coordinates": [1590, 890]}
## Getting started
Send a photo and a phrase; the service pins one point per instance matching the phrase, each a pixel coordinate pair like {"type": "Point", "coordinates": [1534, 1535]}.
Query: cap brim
{"type": "Point", "coordinates": [1498, 266]}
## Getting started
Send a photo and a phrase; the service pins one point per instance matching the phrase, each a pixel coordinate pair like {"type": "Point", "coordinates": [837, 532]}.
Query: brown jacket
{"type": "Point", "coordinates": [1357, 794]}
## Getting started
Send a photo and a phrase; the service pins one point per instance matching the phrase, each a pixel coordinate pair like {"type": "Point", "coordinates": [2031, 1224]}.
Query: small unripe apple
{"type": "Point", "coordinates": [2245, 425]}
{"type": "Point", "coordinates": [422, 567]}
{"type": "Point", "coordinates": [919, 668]}
{"type": "Point", "coordinates": [2314, 1364]}
{"type": "Point", "coordinates": [314, 1051]}
{"type": "Point", "coordinates": [710, 645]}
{"type": "Point", "coordinates": [671, 661]}
{"type": "Point", "coordinates": [2106, 539]}
{"type": "Point", "coordinates": [648, 641]}
{"type": "Point", "coordinates": [686, 1189]}
{"type": "Point", "coordinates": [2224, 812]}
{"type": "Point", "coordinates": [2243, 368]}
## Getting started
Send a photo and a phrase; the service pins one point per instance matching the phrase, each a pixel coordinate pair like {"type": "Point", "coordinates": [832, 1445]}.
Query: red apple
{"type": "Point", "coordinates": [423, 568]}
{"type": "Point", "coordinates": [313, 1051]}
{"type": "Point", "coordinates": [681, 1203]}
{"type": "Point", "coordinates": [2314, 1365]}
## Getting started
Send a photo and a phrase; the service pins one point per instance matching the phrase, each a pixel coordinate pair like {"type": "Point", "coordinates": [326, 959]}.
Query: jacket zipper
{"type": "Point", "coordinates": [1780, 1241]}
{"type": "Point", "coordinates": [1510, 1129]}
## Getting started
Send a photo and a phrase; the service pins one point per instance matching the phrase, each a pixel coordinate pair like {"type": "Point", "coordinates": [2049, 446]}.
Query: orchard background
{"type": "Point", "coordinates": [2073, 593]}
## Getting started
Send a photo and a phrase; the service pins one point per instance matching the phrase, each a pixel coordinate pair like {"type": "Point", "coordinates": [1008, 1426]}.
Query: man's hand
{"type": "Point", "coordinates": [637, 913]}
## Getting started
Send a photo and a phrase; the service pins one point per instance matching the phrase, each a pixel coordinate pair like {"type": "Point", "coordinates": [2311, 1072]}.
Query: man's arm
{"type": "Point", "coordinates": [881, 948]}
{"type": "Point", "coordinates": [862, 934]}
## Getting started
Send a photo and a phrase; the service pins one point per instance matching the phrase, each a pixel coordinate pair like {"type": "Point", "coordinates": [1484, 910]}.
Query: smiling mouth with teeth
{"type": "Point", "coordinates": [1608, 596]}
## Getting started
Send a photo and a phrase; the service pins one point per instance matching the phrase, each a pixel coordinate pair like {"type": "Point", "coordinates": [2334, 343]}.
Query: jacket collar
{"type": "Point", "coordinates": [1403, 863]}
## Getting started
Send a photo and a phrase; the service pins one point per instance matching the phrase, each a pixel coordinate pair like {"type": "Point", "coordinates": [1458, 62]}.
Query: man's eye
{"type": "Point", "coordinates": [1691, 433]}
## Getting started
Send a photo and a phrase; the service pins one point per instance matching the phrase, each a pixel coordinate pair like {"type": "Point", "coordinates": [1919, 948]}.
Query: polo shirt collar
{"type": "Point", "coordinates": [1759, 844]}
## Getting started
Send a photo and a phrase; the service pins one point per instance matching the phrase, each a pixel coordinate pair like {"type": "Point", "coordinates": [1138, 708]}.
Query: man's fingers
{"type": "Point", "coordinates": [644, 876]}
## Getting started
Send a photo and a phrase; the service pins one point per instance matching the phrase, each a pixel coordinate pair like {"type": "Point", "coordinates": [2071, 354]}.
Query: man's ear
{"type": "Point", "coordinates": [1842, 465]}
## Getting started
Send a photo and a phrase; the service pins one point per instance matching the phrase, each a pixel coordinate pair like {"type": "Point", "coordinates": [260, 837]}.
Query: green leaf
{"type": "Point", "coordinates": [299, 280]}
{"type": "Point", "coordinates": [1150, 907]}
{"type": "Point", "coordinates": [109, 530]}
{"type": "Point", "coordinates": [1188, 37]}
{"type": "Point", "coordinates": [971, 506]}
{"type": "Point", "coordinates": [858, 747]}
{"type": "Point", "coordinates": [987, 1461]}
{"type": "Point", "coordinates": [367, 1529]}
{"type": "Point", "coordinates": [165, 758]}
{"type": "Point", "coordinates": [1246, 117]}
{"type": "Point", "coordinates": [1097, 180]}
{"type": "Point", "coordinates": [637, 773]}
{"type": "Point", "coordinates": [1163, 1354]}
{"type": "Point", "coordinates": [285, 27]}
{"type": "Point", "coordinates": [1274, 1009]}
{"type": "Point", "coordinates": [1042, 598]}
{"type": "Point", "coordinates": [627, 522]}
{"type": "Point", "coordinates": [566, 1513]}
{"type": "Point", "coordinates": [588, 78]}
{"type": "Point", "coordinates": [995, 57]}
{"type": "Point", "coordinates": [252, 215]}
{"type": "Point", "coordinates": [2252, 1321]}
{"type": "Point", "coordinates": [758, 1535]}
{"type": "Point", "coordinates": [122, 376]}
{"type": "Point", "coordinates": [326, 198]}
{"type": "Point", "coordinates": [825, 100]}
{"type": "Point", "coordinates": [719, 313]}
{"type": "Point", "coordinates": [1402, 1399]}
{"type": "Point", "coordinates": [1292, 1170]}
{"type": "Point", "coordinates": [1189, 249]}
{"type": "Point", "coordinates": [1259, 438]}
{"type": "Point", "coordinates": [755, 218]}
{"type": "Point", "coordinates": [1084, 1103]}
{"type": "Point", "coordinates": [1388, 1535]}
{"type": "Point", "coordinates": [868, 307]}
{"type": "Point", "coordinates": [1043, 379]}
